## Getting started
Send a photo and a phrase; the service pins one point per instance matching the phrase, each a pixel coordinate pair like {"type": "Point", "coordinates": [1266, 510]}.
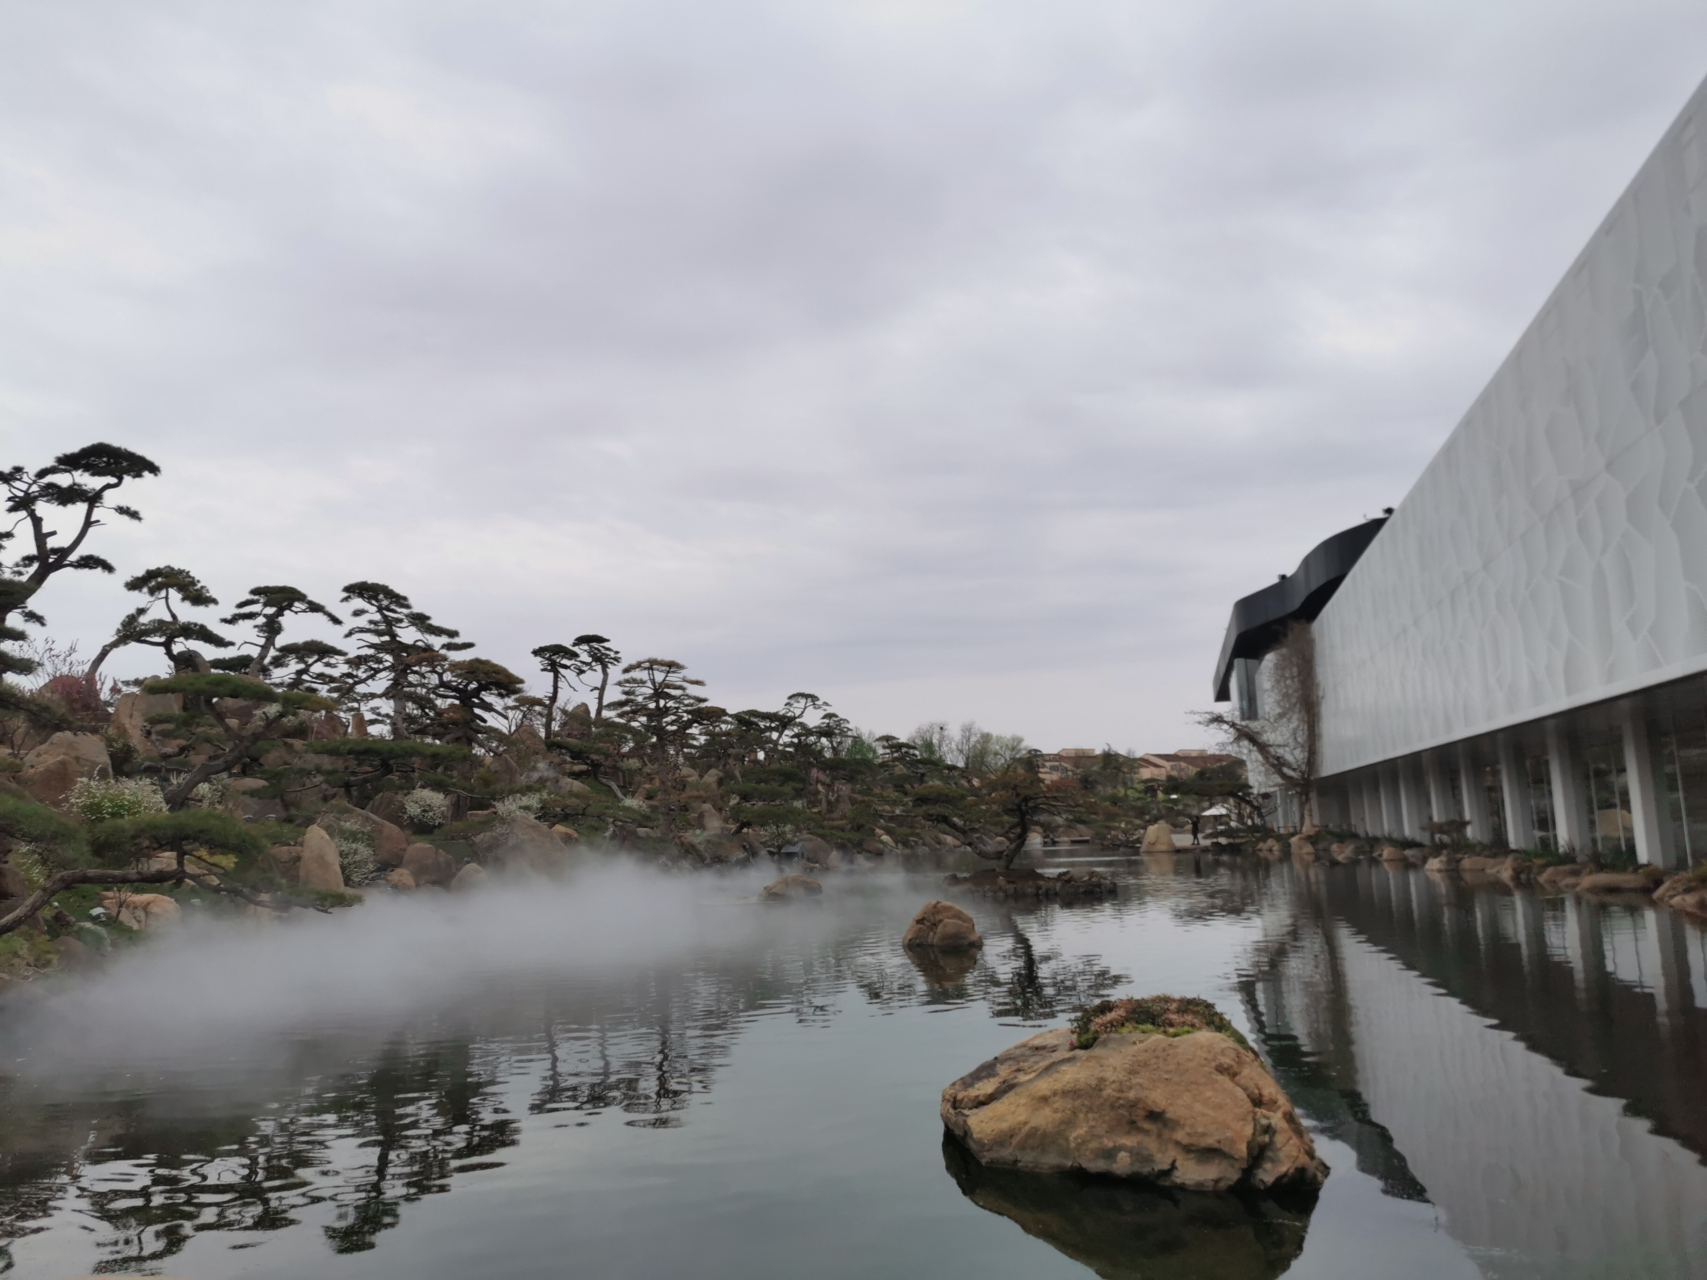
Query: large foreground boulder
{"type": "Point", "coordinates": [942, 926]}
{"type": "Point", "coordinates": [1197, 1111]}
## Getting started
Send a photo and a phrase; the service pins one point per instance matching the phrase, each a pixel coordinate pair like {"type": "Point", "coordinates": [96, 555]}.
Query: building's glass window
{"type": "Point", "coordinates": [1492, 784]}
{"type": "Point", "coordinates": [1610, 826]}
{"type": "Point", "coordinates": [1541, 801]}
{"type": "Point", "coordinates": [1679, 745]}
{"type": "Point", "coordinates": [1245, 683]}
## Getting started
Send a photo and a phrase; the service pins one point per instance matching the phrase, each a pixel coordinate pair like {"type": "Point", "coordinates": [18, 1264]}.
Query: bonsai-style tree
{"type": "Point", "coordinates": [307, 665]}
{"type": "Point", "coordinates": [597, 654]}
{"type": "Point", "coordinates": [210, 850]}
{"type": "Point", "coordinates": [169, 588]}
{"type": "Point", "coordinates": [472, 690]}
{"type": "Point", "coordinates": [562, 663]}
{"type": "Point", "coordinates": [396, 643]}
{"type": "Point", "coordinates": [232, 740]}
{"type": "Point", "coordinates": [659, 701]}
{"type": "Point", "coordinates": [267, 608]}
{"type": "Point", "coordinates": [79, 482]}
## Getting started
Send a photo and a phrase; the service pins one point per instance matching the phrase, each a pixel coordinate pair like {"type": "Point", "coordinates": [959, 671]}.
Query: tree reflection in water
{"type": "Point", "coordinates": [348, 1148]}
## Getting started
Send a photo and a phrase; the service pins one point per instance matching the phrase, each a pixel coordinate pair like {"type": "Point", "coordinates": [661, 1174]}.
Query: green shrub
{"type": "Point", "coordinates": [1151, 1015]}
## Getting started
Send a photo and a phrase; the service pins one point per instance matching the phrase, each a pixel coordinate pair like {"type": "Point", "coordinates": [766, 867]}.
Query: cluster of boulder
{"type": "Point", "coordinates": [1681, 891]}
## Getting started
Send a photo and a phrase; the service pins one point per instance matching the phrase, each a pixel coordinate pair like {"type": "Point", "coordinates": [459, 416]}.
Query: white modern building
{"type": "Point", "coordinates": [1523, 643]}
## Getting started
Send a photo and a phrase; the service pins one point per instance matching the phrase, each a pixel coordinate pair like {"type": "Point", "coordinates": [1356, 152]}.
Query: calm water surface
{"type": "Point", "coordinates": [626, 1079]}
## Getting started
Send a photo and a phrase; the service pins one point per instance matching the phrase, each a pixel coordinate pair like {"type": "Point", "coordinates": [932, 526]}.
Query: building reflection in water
{"type": "Point", "coordinates": [1445, 1032]}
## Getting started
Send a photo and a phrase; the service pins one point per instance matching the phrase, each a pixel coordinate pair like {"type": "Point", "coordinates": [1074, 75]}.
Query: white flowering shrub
{"type": "Point", "coordinates": [425, 807]}
{"type": "Point", "coordinates": [355, 855]}
{"type": "Point", "coordinates": [210, 794]}
{"type": "Point", "coordinates": [527, 802]}
{"type": "Point", "coordinates": [26, 858]}
{"type": "Point", "coordinates": [100, 800]}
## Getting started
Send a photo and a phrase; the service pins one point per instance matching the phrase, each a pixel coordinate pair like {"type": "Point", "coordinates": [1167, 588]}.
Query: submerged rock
{"type": "Point", "coordinates": [1561, 875]}
{"type": "Point", "coordinates": [1197, 1111]}
{"type": "Point", "coordinates": [1127, 1231]}
{"type": "Point", "coordinates": [790, 889]}
{"type": "Point", "coordinates": [943, 969]}
{"type": "Point", "coordinates": [942, 926]}
{"type": "Point", "coordinates": [1645, 880]}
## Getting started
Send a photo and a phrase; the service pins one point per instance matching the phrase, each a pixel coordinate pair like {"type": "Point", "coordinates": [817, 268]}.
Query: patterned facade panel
{"type": "Point", "coordinates": [1554, 552]}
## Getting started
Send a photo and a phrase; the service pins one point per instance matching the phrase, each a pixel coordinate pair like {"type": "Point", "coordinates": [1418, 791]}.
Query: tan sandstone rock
{"type": "Point", "coordinates": [470, 878]}
{"type": "Point", "coordinates": [1302, 847]}
{"type": "Point", "coordinates": [141, 910]}
{"type": "Point", "coordinates": [1196, 1111]}
{"type": "Point", "coordinates": [521, 843]}
{"type": "Point", "coordinates": [1391, 853]}
{"type": "Point", "coordinates": [400, 879]}
{"type": "Point", "coordinates": [318, 868]}
{"type": "Point", "coordinates": [1158, 838]}
{"type": "Point", "coordinates": [132, 712]}
{"type": "Point", "coordinates": [942, 926]}
{"type": "Point", "coordinates": [428, 865]}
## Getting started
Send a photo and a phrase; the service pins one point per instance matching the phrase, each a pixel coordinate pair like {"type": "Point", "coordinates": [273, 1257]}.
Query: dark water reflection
{"type": "Point", "coordinates": [1126, 1232]}
{"type": "Point", "coordinates": [1506, 1084]}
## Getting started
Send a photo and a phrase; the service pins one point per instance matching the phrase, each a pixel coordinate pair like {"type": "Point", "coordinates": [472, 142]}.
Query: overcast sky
{"type": "Point", "coordinates": [948, 359]}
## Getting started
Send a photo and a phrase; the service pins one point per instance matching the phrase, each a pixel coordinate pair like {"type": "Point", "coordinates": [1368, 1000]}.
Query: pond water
{"type": "Point", "coordinates": [630, 1076]}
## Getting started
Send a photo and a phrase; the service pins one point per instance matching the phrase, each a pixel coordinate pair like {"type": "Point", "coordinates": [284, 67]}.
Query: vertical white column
{"type": "Point", "coordinates": [1475, 795]}
{"type": "Point", "coordinates": [1646, 814]}
{"type": "Point", "coordinates": [1411, 803]}
{"type": "Point", "coordinates": [1392, 813]}
{"type": "Point", "coordinates": [1514, 790]}
{"type": "Point", "coordinates": [1439, 793]}
{"type": "Point", "coordinates": [1570, 804]}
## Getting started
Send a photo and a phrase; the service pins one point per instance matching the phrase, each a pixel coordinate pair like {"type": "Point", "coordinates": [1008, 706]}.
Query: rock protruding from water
{"type": "Point", "coordinates": [1158, 838]}
{"type": "Point", "coordinates": [791, 889]}
{"type": "Point", "coordinates": [1197, 1111]}
{"type": "Point", "coordinates": [942, 926]}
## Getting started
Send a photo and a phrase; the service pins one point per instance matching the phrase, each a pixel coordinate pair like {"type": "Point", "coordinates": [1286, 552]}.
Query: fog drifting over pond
{"type": "Point", "coordinates": [224, 996]}
{"type": "Point", "coordinates": [949, 359]}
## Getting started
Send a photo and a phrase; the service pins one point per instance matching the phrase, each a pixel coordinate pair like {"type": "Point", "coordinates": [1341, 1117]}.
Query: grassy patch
{"type": "Point", "coordinates": [1151, 1015]}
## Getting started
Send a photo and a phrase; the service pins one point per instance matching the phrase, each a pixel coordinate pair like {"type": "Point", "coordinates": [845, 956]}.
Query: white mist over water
{"type": "Point", "coordinates": [224, 995]}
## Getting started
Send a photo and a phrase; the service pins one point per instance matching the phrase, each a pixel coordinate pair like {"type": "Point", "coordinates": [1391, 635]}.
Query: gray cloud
{"type": "Point", "coordinates": [949, 359]}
